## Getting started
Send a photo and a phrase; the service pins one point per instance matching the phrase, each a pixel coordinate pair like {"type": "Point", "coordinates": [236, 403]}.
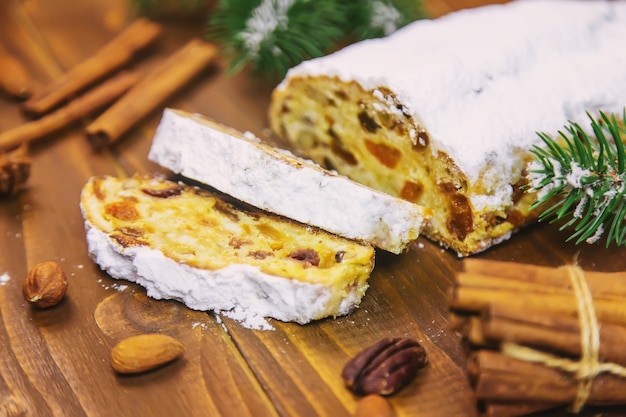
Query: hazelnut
{"type": "Point", "coordinates": [45, 285]}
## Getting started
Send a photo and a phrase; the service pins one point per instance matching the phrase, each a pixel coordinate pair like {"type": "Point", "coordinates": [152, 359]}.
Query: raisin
{"type": "Point", "coordinates": [447, 187]}
{"type": "Point", "coordinates": [412, 191]}
{"type": "Point", "coordinates": [422, 141]}
{"type": "Point", "coordinates": [386, 155]}
{"type": "Point", "coordinates": [226, 210]}
{"type": "Point", "coordinates": [328, 164]}
{"type": "Point", "coordinates": [519, 190]}
{"type": "Point", "coordinates": [131, 231]}
{"type": "Point", "coordinates": [122, 210]}
{"type": "Point", "coordinates": [404, 110]}
{"type": "Point", "coordinates": [461, 222]}
{"type": "Point", "coordinates": [306, 255]}
{"type": "Point", "coordinates": [237, 242]}
{"type": "Point", "coordinates": [515, 218]}
{"type": "Point", "coordinates": [127, 241]}
{"type": "Point", "coordinates": [338, 149]}
{"type": "Point", "coordinates": [259, 254]}
{"type": "Point", "coordinates": [342, 95]}
{"type": "Point", "coordinates": [367, 122]}
{"type": "Point", "coordinates": [164, 192]}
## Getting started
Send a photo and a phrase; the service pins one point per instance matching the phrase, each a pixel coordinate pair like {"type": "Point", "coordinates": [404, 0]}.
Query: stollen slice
{"type": "Point", "coordinates": [241, 165]}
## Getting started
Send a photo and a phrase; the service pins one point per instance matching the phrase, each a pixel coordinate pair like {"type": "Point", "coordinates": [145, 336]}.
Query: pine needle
{"type": "Point", "coordinates": [377, 18]}
{"type": "Point", "coordinates": [271, 36]}
{"type": "Point", "coordinates": [580, 177]}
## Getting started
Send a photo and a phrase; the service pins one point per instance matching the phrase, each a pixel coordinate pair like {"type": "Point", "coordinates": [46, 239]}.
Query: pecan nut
{"type": "Point", "coordinates": [385, 367]}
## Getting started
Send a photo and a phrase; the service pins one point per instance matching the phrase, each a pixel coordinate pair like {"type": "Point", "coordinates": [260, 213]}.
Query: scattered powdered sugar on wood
{"type": "Point", "coordinates": [247, 319]}
{"type": "Point", "coordinates": [197, 324]}
{"type": "Point", "coordinates": [115, 286]}
{"type": "Point", "coordinates": [4, 278]}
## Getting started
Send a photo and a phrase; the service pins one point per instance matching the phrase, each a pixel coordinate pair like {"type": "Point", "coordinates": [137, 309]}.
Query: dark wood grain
{"type": "Point", "coordinates": [56, 362]}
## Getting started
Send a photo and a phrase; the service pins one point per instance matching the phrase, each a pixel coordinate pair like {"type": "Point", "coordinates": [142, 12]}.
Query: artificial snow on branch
{"type": "Point", "coordinates": [581, 176]}
{"type": "Point", "coordinates": [271, 36]}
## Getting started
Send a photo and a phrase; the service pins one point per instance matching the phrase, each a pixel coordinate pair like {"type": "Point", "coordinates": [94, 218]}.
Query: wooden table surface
{"type": "Point", "coordinates": [56, 362]}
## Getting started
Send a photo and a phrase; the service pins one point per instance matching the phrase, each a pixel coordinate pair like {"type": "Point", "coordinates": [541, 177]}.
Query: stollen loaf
{"type": "Point", "coordinates": [444, 112]}
{"type": "Point", "coordinates": [242, 166]}
{"type": "Point", "coordinates": [212, 253]}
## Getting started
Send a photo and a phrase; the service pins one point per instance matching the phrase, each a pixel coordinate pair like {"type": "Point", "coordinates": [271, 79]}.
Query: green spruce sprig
{"type": "Point", "coordinates": [271, 36]}
{"type": "Point", "coordinates": [377, 18]}
{"type": "Point", "coordinates": [581, 177]}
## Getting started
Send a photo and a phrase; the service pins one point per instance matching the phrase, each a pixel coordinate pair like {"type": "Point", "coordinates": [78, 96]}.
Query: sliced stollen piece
{"type": "Point", "coordinates": [444, 112]}
{"type": "Point", "coordinates": [242, 166]}
{"type": "Point", "coordinates": [192, 245]}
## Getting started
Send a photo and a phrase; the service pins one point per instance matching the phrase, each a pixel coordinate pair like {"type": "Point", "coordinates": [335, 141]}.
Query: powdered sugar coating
{"type": "Point", "coordinates": [240, 291]}
{"type": "Point", "coordinates": [279, 182]}
{"type": "Point", "coordinates": [484, 81]}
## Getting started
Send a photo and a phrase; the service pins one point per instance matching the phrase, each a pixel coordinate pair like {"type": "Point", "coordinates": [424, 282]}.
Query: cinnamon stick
{"type": "Point", "coordinates": [551, 332]}
{"type": "Point", "coordinates": [81, 107]}
{"type": "Point", "coordinates": [110, 58]}
{"type": "Point", "coordinates": [14, 79]}
{"type": "Point", "coordinates": [475, 299]}
{"type": "Point", "coordinates": [607, 284]}
{"type": "Point", "coordinates": [505, 308]}
{"type": "Point", "coordinates": [151, 92]}
{"type": "Point", "coordinates": [527, 289]}
{"type": "Point", "coordinates": [514, 408]}
{"type": "Point", "coordinates": [500, 378]}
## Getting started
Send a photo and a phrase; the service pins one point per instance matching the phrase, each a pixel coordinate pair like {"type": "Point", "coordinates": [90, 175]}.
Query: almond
{"type": "Point", "coordinates": [145, 352]}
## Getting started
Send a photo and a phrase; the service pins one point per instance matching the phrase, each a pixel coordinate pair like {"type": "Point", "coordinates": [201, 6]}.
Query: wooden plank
{"type": "Point", "coordinates": [302, 364]}
{"type": "Point", "coordinates": [56, 362]}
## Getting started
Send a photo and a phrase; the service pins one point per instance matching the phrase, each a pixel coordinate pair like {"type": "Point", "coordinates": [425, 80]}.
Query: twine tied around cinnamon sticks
{"type": "Point", "coordinates": [541, 337]}
{"type": "Point", "coordinates": [589, 366]}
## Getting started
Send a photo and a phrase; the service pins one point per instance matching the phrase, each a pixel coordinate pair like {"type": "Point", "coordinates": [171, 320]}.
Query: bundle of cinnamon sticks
{"type": "Point", "coordinates": [540, 337]}
{"type": "Point", "coordinates": [100, 83]}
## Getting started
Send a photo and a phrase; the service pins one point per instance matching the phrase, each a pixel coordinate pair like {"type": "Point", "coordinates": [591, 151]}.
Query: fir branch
{"type": "Point", "coordinates": [377, 18]}
{"type": "Point", "coordinates": [581, 178]}
{"type": "Point", "coordinates": [272, 36]}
